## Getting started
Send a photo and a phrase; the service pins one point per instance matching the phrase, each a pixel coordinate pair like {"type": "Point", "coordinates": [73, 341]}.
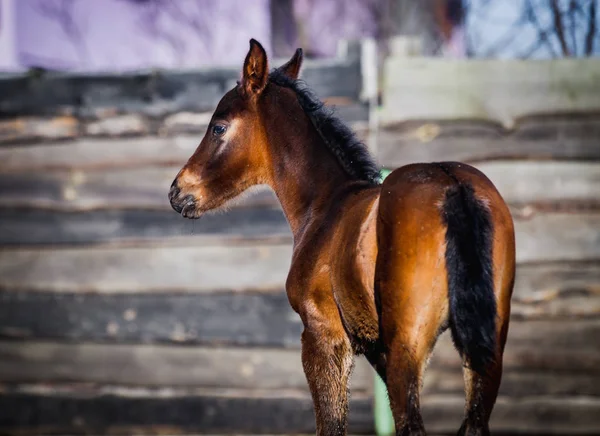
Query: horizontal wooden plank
{"type": "Point", "coordinates": [496, 89]}
{"type": "Point", "coordinates": [557, 290]}
{"type": "Point", "coordinates": [33, 226]}
{"type": "Point", "coordinates": [560, 347]}
{"type": "Point", "coordinates": [156, 93]}
{"type": "Point", "coordinates": [517, 383]}
{"type": "Point", "coordinates": [60, 410]}
{"type": "Point", "coordinates": [155, 366]}
{"type": "Point", "coordinates": [534, 183]}
{"type": "Point", "coordinates": [225, 318]}
{"type": "Point", "coordinates": [240, 368]}
{"type": "Point", "coordinates": [545, 289]}
{"type": "Point", "coordinates": [535, 415]}
{"type": "Point", "coordinates": [150, 269]}
{"type": "Point", "coordinates": [540, 236]}
{"type": "Point", "coordinates": [528, 183]}
{"type": "Point", "coordinates": [80, 409]}
{"type": "Point", "coordinates": [547, 237]}
{"type": "Point", "coordinates": [94, 154]}
{"type": "Point", "coordinates": [242, 319]}
{"type": "Point", "coordinates": [144, 188]}
{"type": "Point", "coordinates": [541, 138]}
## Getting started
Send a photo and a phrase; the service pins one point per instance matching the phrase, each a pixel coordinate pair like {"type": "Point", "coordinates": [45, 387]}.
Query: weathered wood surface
{"type": "Point", "coordinates": [557, 346]}
{"type": "Point", "coordinates": [35, 410]}
{"type": "Point", "coordinates": [77, 409]}
{"type": "Point", "coordinates": [94, 154]}
{"type": "Point", "coordinates": [516, 383]}
{"type": "Point", "coordinates": [258, 266]}
{"type": "Point", "coordinates": [533, 183]}
{"type": "Point", "coordinates": [90, 153]}
{"type": "Point", "coordinates": [540, 236]}
{"type": "Point", "coordinates": [257, 319]}
{"type": "Point", "coordinates": [558, 236]}
{"type": "Point", "coordinates": [536, 415]}
{"type": "Point", "coordinates": [150, 269]}
{"type": "Point", "coordinates": [225, 318]}
{"type": "Point", "coordinates": [260, 368]}
{"type": "Point", "coordinates": [40, 226]}
{"type": "Point", "coordinates": [471, 141]}
{"type": "Point", "coordinates": [156, 93]}
{"type": "Point", "coordinates": [143, 188]}
{"type": "Point", "coordinates": [557, 290]}
{"type": "Point", "coordinates": [167, 366]}
{"type": "Point", "coordinates": [491, 89]}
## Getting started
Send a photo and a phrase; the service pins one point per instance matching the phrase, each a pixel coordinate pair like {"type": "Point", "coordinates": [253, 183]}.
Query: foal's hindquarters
{"type": "Point", "coordinates": [431, 248]}
{"type": "Point", "coordinates": [446, 258]}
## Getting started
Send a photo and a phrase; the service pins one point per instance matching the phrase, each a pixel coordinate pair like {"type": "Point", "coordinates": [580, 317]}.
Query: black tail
{"type": "Point", "coordinates": [470, 276]}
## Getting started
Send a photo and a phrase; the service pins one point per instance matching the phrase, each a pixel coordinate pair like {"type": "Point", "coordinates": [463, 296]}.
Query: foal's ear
{"type": "Point", "coordinates": [256, 69]}
{"type": "Point", "coordinates": [292, 67]}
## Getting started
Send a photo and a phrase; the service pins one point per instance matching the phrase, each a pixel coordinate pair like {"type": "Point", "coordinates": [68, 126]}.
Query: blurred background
{"type": "Point", "coordinates": [118, 316]}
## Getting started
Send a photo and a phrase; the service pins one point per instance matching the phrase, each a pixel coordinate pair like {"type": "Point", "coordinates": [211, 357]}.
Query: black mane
{"type": "Point", "coordinates": [352, 154]}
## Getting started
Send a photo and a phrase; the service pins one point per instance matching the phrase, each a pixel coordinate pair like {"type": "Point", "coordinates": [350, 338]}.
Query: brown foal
{"type": "Point", "coordinates": [379, 269]}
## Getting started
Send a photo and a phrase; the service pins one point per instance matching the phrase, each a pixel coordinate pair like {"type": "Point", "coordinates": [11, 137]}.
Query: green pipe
{"type": "Point", "coordinates": [384, 421]}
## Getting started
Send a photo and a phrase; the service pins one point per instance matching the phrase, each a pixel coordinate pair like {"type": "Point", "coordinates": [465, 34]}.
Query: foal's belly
{"type": "Point", "coordinates": [353, 273]}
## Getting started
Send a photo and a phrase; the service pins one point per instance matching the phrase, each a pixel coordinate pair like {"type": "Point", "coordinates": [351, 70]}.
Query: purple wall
{"type": "Point", "coordinates": [131, 34]}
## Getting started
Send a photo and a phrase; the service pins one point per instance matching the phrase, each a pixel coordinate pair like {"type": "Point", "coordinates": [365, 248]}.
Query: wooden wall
{"type": "Point", "coordinates": [116, 314]}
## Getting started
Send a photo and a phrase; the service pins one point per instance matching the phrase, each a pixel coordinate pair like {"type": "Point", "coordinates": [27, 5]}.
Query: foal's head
{"type": "Point", "coordinates": [236, 152]}
{"type": "Point", "coordinates": [233, 154]}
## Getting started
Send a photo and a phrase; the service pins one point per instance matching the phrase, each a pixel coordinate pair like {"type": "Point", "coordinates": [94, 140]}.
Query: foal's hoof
{"type": "Point", "coordinates": [466, 430]}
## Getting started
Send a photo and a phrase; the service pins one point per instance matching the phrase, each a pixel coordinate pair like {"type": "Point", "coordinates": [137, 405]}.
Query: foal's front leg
{"type": "Point", "coordinates": [327, 359]}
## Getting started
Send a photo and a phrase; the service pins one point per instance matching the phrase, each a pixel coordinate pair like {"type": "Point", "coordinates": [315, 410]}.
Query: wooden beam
{"type": "Point", "coordinates": [541, 346]}
{"type": "Point", "coordinates": [42, 226]}
{"type": "Point", "coordinates": [491, 89]}
{"type": "Point", "coordinates": [242, 368]}
{"type": "Point", "coordinates": [539, 415]}
{"type": "Point", "coordinates": [558, 236]}
{"type": "Point", "coordinates": [156, 93]}
{"type": "Point", "coordinates": [543, 184]}
{"type": "Point", "coordinates": [472, 141]}
{"type": "Point", "coordinates": [166, 366]}
{"type": "Point", "coordinates": [557, 290]}
{"type": "Point", "coordinates": [148, 269]}
{"type": "Point", "coordinates": [134, 188]}
{"type": "Point", "coordinates": [252, 319]}
{"type": "Point", "coordinates": [540, 236]}
{"type": "Point", "coordinates": [516, 383]}
{"type": "Point", "coordinates": [94, 154]}
{"type": "Point", "coordinates": [34, 410]}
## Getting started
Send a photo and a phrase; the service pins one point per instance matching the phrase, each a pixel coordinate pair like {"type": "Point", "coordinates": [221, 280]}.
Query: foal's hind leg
{"type": "Point", "coordinates": [407, 358]}
{"type": "Point", "coordinates": [327, 359]}
{"type": "Point", "coordinates": [481, 392]}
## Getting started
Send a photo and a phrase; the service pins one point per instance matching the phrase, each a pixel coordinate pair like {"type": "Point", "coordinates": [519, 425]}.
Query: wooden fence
{"type": "Point", "coordinates": [118, 316]}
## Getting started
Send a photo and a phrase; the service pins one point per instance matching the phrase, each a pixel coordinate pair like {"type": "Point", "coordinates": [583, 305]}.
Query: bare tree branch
{"type": "Point", "coordinates": [573, 24]}
{"type": "Point", "coordinates": [591, 33]}
{"type": "Point", "coordinates": [542, 34]}
{"type": "Point", "coordinates": [559, 27]}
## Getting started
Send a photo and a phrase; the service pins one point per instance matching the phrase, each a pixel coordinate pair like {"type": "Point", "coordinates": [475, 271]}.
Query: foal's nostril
{"type": "Point", "coordinates": [173, 192]}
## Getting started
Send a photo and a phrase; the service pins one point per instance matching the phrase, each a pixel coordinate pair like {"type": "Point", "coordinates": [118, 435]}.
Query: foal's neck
{"type": "Point", "coordinates": [306, 176]}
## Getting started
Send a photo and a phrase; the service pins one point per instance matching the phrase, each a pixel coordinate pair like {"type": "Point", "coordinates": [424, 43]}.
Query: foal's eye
{"type": "Point", "coordinates": [218, 129]}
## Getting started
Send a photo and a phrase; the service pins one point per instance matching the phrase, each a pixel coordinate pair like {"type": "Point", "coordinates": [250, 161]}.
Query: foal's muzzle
{"type": "Point", "coordinates": [186, 206]}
